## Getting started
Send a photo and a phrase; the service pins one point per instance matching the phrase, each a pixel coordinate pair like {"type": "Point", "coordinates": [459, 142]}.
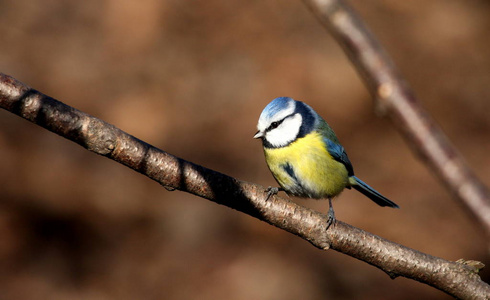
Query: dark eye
{"type": "Point", "coordinates": [274, 125]}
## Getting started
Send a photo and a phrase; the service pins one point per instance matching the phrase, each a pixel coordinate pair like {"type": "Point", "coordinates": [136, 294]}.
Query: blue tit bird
{"type": "Point", "coordinates": [305, 156]}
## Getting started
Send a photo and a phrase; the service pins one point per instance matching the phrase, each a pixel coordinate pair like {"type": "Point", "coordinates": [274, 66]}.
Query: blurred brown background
{"type": "Point", "coordinates": [191, 77]}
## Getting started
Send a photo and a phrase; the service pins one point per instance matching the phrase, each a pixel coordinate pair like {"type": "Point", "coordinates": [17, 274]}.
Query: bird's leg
{"type": "Point", "coordinates": [331, 213]}
{"type": "Point", "coordinates": [271, 191]}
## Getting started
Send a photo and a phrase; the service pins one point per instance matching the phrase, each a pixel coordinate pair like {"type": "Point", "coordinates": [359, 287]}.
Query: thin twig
{"type": "Point", "coordinates": [455, 278]}
{"type": "Point", "coordinates": [397, 100]}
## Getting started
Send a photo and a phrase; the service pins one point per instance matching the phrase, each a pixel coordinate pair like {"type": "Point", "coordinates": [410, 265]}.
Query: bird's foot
{"type": "Point", "coordinates": [331, 215]}
{"type": "Point", "coordinates": [331, 218]}
{"type": "Point", "coordinates": [271, 191]}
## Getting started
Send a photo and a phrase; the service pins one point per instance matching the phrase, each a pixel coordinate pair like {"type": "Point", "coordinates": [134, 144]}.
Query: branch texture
{"type": "Point", "coordinates": [397, 100]}
{"type": "Point", "coordinates": [455, 278]}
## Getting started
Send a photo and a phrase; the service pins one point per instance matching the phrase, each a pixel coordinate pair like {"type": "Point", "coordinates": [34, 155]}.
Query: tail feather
{"type": "Point", "coordinates": [372, 194]}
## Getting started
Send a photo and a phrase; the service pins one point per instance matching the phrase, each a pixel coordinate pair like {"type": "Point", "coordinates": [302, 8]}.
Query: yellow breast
{"type": "Point", "coordinates": [305, 168]}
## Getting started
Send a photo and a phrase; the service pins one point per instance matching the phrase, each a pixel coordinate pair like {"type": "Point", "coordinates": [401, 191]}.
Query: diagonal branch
{"type": "Point", "coordinates": [398, 101]}
{"type": "Point", "coordinates": [459, 279]}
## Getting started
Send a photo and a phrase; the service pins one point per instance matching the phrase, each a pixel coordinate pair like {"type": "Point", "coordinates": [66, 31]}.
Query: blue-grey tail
{"type": "Point", "coordinates": [372, 194]}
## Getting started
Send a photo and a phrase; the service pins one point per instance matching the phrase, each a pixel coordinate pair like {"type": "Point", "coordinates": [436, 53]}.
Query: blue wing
{"type": "Point", "coordinates": [338, 153]}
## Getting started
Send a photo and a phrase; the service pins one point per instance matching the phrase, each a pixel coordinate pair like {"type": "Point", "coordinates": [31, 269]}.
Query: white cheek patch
{"type": "Point", "coordinates": [286, 132]}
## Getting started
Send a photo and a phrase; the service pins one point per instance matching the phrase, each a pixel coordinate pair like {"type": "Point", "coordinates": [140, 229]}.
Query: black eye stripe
{"type": "Point", "coordinates": [276, 124]}
{"type": "Point", "coordinates": [273, 125]}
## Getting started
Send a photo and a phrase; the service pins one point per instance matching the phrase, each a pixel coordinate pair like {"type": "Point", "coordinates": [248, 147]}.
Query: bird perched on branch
{"type": "Point", "coordinates": [305, 156]}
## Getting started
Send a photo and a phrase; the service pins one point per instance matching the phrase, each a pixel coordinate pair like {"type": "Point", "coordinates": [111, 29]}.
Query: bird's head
{"type": "Point", "coordinates": [284, 120]}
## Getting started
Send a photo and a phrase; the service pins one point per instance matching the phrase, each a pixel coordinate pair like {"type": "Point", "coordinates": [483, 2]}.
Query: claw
{"type": "Point", "coordinates": [271, 191]}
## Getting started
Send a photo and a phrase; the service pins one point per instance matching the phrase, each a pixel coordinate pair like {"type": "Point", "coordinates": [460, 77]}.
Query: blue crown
{"type": "Point", "coordinates": [276, 106]}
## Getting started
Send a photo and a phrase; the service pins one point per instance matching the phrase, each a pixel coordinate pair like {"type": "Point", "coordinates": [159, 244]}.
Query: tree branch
{"type": "Point", "coordinates": [455, 278]}
{"type": "Point", "coordinates": [395, 98]}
